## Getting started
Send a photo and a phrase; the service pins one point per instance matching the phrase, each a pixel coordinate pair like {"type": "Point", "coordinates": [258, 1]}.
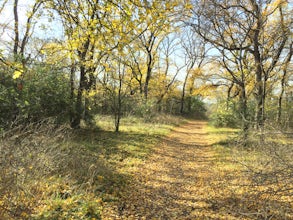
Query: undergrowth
{"type": "Point", "coordinates": [253, 181]}
{"type": "Point", "coordinates": [50, 172]}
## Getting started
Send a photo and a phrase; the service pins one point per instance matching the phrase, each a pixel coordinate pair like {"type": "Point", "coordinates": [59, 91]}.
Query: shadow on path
{"type": "Point", "coordinates": [176, 182]}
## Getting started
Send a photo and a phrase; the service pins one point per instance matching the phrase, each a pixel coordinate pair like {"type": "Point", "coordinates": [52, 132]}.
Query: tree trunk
{"type": "Point", "coordinates": [260, 96]}
{"type": "Point", "coordinates": [183, 93]}
{"type": "Point", "coordinates": [148, 75]}
{"type": "Point", "coordinates": [119, 108]}
{"type": "Point", "coordinates": [280, 104]}
{"type": "Point", "coordinates": [260, 101]}
{"type": "Point", "coordinates": [16, 32]}
{"type": "Point", "coordinates": [244, 113]}
{"type": "Point", "coordinates": [283, 82]}
{"type": "Point", "coordinates": [72, 111]}
{"type": "Point", "coordinates": [75, 123]}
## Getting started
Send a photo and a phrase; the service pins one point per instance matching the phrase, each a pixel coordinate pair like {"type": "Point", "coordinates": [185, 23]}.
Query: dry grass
{"type": "Point", "coordinates": [195, 172]}
{"type": "Point", "coordinates": [258, 177]}
{"type": "Point", "coordinates": [50, 172]}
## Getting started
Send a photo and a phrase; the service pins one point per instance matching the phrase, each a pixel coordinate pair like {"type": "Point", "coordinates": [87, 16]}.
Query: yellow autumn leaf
{"type": "Point", "coordinates": [92, 93]}
{"type": "Point", "coordinates": [17, 74]}
{"type": "Point", "coordinates": [100, 178]}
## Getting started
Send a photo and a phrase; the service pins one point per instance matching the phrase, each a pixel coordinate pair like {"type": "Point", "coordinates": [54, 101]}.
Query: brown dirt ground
{"type": "Point", "coordinates": [175, 182]}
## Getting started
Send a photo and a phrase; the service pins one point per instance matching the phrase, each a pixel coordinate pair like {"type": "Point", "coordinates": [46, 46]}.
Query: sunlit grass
{"type": "Point", "coordinates": [258, 175]}
{"type": "Point", "coordinates": [80, 171]}
{"type": "Point", "coordinates": [220, 136]}
{"type": "Point", "coordinates": [160, 125]}
{"type": "Point", "coordinates": [75, 174]}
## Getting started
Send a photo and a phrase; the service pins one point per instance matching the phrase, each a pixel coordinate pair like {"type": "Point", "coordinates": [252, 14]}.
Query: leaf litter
{"type": "Point", "coordinates": [178, 181]}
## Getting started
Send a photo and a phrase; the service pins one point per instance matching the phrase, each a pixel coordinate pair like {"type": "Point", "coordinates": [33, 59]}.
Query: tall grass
{"type": "Point", "coordinates": [255, 181]}
{"type": "Point", "coordinates": [50, 172]}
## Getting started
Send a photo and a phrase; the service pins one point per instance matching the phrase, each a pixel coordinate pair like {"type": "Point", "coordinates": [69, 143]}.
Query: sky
{"type": "Point", "coordinates": [54, 30]}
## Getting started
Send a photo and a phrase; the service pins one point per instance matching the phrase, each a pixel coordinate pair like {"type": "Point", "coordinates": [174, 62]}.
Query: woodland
{"type": "Point", "coordinates": [146, 109]}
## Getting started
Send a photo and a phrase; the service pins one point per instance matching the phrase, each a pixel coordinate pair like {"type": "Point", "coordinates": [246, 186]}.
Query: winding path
{"type": "Point", "coordinates": [175, 181]}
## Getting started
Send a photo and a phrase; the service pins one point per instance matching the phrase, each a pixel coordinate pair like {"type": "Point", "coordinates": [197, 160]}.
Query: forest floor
{"type": "Point", "coordinates": [178, 181]}
{"type": "Point", "coordinates": [193, 174]}
{"type": "Point", "coordinates": [146, 171]}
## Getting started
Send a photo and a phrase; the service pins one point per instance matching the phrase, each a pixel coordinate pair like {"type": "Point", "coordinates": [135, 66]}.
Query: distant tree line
{"type": "Point", "coordinates": [146, 57]}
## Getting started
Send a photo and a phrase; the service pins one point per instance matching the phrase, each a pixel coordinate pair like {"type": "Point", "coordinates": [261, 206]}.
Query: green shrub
{"type": "Point", "coordinates": [195, 107]}
{"type": "Point", "coordinates": [46, 94]}
{"type": "Point", "coordinates": [225, 116]}
{"type": "Point", "coordinates": [145, 109]}
{"type": "Point", "coordinates": [41, 93]}
{"type": "Point", "coordinates": [9, 98]}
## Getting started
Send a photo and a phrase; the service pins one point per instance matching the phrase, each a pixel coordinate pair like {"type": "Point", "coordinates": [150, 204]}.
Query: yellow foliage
{"type": "Point", "coordinates": [17, 74]}
{"type": "Point", "coordinates": [100, 178]}
{"type": "Point", "coordinates": [18, 70]}
{"type": "Point", "coordinates": [205, 90]}
{"type": "Point", "coordinates": [92, 93]}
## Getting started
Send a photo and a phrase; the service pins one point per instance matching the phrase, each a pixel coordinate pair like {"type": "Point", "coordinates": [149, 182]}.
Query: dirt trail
{"type": "Point", "coordinates": [174, 183]}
